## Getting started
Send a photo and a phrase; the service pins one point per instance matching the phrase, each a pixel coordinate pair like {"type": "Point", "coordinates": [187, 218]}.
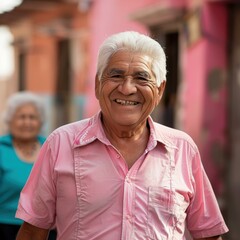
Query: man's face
{"type": "Point", "coordinates": [128, 92]}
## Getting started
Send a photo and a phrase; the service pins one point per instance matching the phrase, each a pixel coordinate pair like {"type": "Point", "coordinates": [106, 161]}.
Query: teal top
{"type": "Point", "coordinates": [13, 176]}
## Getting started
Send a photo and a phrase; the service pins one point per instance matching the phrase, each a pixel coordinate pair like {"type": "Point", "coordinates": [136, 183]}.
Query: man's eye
{"type": "Point", "coordinates": [143, 78]}
{"type": "Point", "coordinates": [116, 76]}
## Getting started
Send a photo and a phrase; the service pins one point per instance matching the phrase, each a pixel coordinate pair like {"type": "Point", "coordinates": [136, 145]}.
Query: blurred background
{"type": "Point", "coordinates": [50, 47]}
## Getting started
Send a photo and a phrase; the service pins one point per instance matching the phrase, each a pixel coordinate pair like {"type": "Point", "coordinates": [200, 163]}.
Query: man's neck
{"type": "Point", "coordinates": [127, 133]}
{"type": "Point", "coordinates": [130, 142]}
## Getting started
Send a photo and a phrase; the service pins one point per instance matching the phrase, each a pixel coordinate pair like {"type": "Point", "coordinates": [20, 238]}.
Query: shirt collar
{"type": "Point", "coordinates": [158, 134]}
{"type": "Point", "coordinates": [94, 130]}
{"type": "Point", "coordinates": [91, 132]}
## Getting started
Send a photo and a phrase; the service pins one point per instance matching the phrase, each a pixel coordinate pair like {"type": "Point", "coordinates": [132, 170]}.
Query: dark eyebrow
{"type": "Point", "coordinates": [115, 71]}
{"type": "Point", "coordinates": [118, 71]}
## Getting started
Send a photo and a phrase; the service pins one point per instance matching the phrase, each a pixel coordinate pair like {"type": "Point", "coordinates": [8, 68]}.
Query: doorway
{"type": "Point", "coordinates": [165, 112]}
{"type": "Point", "coordinates": [63, 85]}
{"type": "Point", "coordinates": [233, 180]}
{"type": "Point", "coordinates": [22, 75]}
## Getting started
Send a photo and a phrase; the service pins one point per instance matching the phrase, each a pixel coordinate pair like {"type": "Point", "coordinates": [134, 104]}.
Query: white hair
{"type": "Point", "coordinates": [22, 98]}
{"type": "Point", "coordinates": [134, 42]}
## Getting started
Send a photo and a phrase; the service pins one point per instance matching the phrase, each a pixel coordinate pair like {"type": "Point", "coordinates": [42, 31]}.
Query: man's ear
{"type": "Point", "coordinates": [97, 83]}
{"type": "Point", "coordinates": [161, 89]}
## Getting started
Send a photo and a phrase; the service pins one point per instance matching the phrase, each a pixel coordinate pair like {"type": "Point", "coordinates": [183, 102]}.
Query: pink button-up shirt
{"type": "Point", "coordinates": [82, 185]}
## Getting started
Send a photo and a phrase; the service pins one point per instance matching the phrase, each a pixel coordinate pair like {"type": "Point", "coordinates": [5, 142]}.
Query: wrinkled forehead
{"type": "Point", "coordinates": [130, 61]}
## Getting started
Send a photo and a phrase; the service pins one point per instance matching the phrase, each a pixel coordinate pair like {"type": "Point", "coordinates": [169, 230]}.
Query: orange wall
{"type": "Point", "coordinates": [41, 65]}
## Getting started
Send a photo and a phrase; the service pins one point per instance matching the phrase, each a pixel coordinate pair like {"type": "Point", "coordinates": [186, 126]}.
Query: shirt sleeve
{"type": "Point", "coordinates": [37, 200]}
{"type": "Point", "coordinates": [204, 218]}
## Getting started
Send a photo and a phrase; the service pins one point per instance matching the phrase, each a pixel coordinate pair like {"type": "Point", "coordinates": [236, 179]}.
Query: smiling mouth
{"type": "Point", "coordinates": [126, 102]}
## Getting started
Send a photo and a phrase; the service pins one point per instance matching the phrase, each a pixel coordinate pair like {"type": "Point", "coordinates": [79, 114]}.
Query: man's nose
{"type": "Point", "coordinates": [127, 86]}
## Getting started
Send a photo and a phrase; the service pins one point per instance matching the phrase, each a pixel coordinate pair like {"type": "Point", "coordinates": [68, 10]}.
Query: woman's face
{"type": "Point", "coordinates": [25, 123]}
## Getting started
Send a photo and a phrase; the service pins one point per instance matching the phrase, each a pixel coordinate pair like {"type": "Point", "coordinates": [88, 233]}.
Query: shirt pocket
{"type": "Point", "coordinates": [166, 214]}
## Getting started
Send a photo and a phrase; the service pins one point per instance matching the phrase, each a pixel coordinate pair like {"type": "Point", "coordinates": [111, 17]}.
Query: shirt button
{"type": "Point", "coordinates": [129, 218]}
{"type": "Point", "coordinates": [118, 156]}
{"type": "Point", "coordinates": [128, 180]}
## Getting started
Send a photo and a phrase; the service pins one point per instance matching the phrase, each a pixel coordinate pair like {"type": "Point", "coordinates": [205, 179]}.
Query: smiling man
{"type": "Point", "coordinates": [119, 175]}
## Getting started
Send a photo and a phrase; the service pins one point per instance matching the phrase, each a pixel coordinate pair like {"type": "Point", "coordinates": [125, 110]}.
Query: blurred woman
{"type": "Point", "coordinates": [19, 149]}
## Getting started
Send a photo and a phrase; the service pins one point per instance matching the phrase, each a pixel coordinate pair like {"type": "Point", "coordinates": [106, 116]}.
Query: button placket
{"type": "Point", "coordinates": [129, 200]}
{"type": "Point", "coordinates": [128, 206]}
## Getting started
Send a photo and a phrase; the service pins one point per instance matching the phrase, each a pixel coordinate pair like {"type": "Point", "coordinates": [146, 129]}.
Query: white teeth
{"type": "Point", "coordinates": [123, 102]}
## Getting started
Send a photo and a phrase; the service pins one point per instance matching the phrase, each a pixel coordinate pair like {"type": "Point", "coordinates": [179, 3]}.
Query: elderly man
{"type": "Point", "coordinates": [119, 175]}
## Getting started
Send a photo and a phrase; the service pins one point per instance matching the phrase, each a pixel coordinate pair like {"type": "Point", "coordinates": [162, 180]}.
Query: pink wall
{"type": "Point", "coordinates": [215, 112]}
{"type": "Point", "coordinates": [205, 97]}
{"type": "Point", "coordinates": [194, 71]}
